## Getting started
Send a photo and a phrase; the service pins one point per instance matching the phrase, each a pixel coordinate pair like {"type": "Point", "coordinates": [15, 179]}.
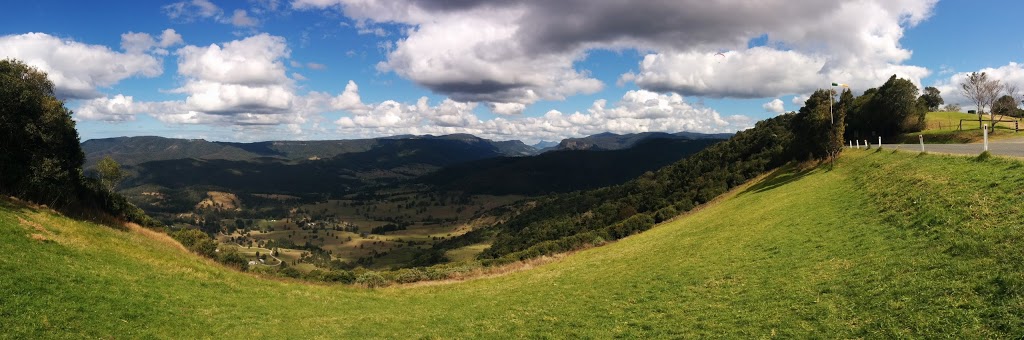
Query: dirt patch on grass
{"type": "Point", "coordinates": [42, 233]}
{"type": "Point", "coordinates": [221, 200]}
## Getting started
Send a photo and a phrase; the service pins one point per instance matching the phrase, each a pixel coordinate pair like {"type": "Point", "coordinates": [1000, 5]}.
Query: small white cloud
{"type": "Point", "coordinates": [348, 100]}
{"type": "Point", "coordinates": [506, 108]}
{"type": "Point", "coordinates": [299, 76]}
{"type": "Point", "coordinates": [800, 99]}
{"type": "Point", "coordinates": [135, 43]}
{"type": "Point", "coordinates": [316, 66]}
{"type": "Point", "coordinates": [191, 10]}
{"type": "Point", "coordinates": [242, 19]}
{"type": "Point", "coordinates": [775, 106]}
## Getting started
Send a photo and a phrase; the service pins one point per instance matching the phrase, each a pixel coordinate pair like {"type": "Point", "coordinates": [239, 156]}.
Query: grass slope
{"type": "Point", "coordinates": [886, 244]}
{"type": "Point", "coordinates": [944, 128]}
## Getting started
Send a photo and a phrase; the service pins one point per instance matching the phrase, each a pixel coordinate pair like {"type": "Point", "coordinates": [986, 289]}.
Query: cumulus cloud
{"type": "Point", "coordinates": [243, 79]}
{"type": "Point", "coordinates": [775, 106]}
{"type": "Point", "coordinates": [76, 69]}
{"type": "Point", "coordinates": [124, 108]}
{"type": "Point", "coordinates": [135, 43]}
{"type": "Point", "coordinates": [256, 60]}
{"type": "Point", "coordinates": [170, 38]}
{"type": "Point", "coordinates": [524, 51]}
{"type": "Point", "coordinates": [637, 111]}
{"type": "Point", "coordinates": [1012, 73]}
{"type": "Point", "coordinates": [348, 100]}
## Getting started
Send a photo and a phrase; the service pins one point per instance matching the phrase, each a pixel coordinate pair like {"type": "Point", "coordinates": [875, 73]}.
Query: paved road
{"type": "Point", "coordinates": [1004, 148]}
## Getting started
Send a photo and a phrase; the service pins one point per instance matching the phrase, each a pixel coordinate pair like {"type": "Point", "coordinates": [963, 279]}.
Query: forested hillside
{"type": "Point", "coordinates": [563, 170]}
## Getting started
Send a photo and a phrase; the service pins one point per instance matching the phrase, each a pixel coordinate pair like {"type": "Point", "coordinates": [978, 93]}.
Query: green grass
{"type": "Point", "coordinates": [887, 244]}
{"type": "Point", "coordinates": [944, 128]}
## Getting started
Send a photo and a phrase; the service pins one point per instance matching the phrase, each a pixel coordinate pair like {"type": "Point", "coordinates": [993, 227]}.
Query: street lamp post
{"type": "Point", "coordinates": [830, 98]}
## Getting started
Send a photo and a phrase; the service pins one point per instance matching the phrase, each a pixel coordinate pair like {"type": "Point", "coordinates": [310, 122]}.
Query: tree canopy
{"type": "Point", "coordinates": [40, 156]}
{"type": "Point", "coordinates": [931, 98]}
{"type": "Point", "coordinates": [889, 110]}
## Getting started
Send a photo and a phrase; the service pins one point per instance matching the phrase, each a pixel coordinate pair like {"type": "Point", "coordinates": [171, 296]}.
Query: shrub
{"type": "Point", "coordinates": [196, 241]}
{"type": "Point", "coordinates": [341, 276]}
{"type": "Point", "coordinates": [371, 280]}
{"type": "Point", "coordinates": [231, 257]}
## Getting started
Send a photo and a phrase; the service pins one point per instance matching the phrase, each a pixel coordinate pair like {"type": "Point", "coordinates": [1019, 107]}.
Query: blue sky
{"type": "Point", "coordinates": [337, 69]}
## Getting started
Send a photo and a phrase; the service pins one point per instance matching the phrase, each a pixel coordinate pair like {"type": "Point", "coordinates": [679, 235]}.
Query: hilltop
{"type": "Point", "coordinates": [883, 245]}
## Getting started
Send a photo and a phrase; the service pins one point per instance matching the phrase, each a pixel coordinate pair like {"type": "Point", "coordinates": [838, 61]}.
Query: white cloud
{"type": "Point", "coordinates": [136, 43]}
{"type": "Point", "coordinates": [123, 108]}
{"type": "Point", "coordinates": [170, 38]}
{"type": "Point", "coordinates": [775, 106]}
{"type": "Point", "coordinates": [255, 60]}
{"type": "Point", "coordinates": [242, 19]}
{"type": "Point", "coordinates": [118, 108]}
{"type": "Point", "coordinates": [637, 111]}
{"type": "Point", "coordinates": [348, 100]}
{"type": "Point", "coordinates": [191, 10]}
{"type": "Point", "coordinates": [506, 108]}
{"type": "Point", "coordinates": [800, 99]}
{"type": "Point", "coordinates": [949, 88]}
{"type": "Point", "coordinates": [76, 69]}
{"type": "Point", "coordinates": [316, 66]}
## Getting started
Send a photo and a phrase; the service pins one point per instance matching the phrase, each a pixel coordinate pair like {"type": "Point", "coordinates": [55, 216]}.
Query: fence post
{"type": "Point", "coordinates": [851, 144]}
{"type": "Point", "coordinates": [879, 141]}
{"type": "Point", "coordinates": [866, 145]}
{"type": "Point", "coordinates": [984, 132]}
{"type": "Point", "coordinates": [858, 144]}
{"type": "Point", "coordinates": [920, 138]}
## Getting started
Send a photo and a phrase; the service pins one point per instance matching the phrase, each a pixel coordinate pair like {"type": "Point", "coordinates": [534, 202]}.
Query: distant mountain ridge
{"type": "Point", "coordinates": [611, 141]}
{"type": "Point", "coordinates": [563, 170]}
{"type": "Point", "coordinates": [138, 150]}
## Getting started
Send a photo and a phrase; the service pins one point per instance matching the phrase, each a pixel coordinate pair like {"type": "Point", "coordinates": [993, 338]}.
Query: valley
{"type": "Point", "coordinates": [380, 204]}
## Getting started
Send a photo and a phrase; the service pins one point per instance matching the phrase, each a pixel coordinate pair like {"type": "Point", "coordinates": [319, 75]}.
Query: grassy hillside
{"type": "Point", "coordinates": [885, 245]}
{"type": "Point", "coordinates": [944, 127]}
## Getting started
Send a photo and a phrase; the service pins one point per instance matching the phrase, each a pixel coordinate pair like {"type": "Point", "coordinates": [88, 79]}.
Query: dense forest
{"type": "Point", "coordinates": [563, 170]}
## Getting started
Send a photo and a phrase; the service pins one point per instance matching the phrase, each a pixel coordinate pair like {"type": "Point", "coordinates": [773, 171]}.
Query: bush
{"type": "Point", "coordinates": [371, 280]}
{"type": "Point", "coordinates": [231, 257]}
{"type": "Point", "coordinates": [196, 241]}
{"type": "Point", "coordinates": [340, 276]}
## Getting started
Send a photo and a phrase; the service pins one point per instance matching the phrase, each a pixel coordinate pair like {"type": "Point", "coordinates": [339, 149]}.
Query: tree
{"type": "Point", "coordinates": [932, 98]}
{"type": "Point", "coordinates": [1006, 106]}
{"type": "Point", "coordinates": [980, 89]}
{"type": "Point", "coordinates": [895, 108]}
{"type": "Point", "coordinates": [842, 110]}
{"type": "Point", "coordinates": [814, 126]}
{"type": "Point", "coordinates": [1016, 97]}
{"type": "Point", "coordinates": [110, 173]}
{"type": "Point", "coordinates": [40, 156]}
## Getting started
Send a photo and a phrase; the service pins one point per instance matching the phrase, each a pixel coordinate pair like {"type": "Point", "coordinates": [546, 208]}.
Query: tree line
{"type": "Point", "coordinates": [40, 155]}
{"type": "Point", "coordinates": [814, 133]}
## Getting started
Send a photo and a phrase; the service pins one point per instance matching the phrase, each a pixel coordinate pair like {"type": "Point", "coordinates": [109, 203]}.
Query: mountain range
{"type": "Point", "coordinates": [137, 150]}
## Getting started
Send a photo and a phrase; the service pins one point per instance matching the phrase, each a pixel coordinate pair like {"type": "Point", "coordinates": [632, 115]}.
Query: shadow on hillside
{"type": "Point", "coordinates": [19, 206]}
{"type": "Point", "coordinates": [777, 178]}
{"type": "Point", "coordinates": [16, 205]}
